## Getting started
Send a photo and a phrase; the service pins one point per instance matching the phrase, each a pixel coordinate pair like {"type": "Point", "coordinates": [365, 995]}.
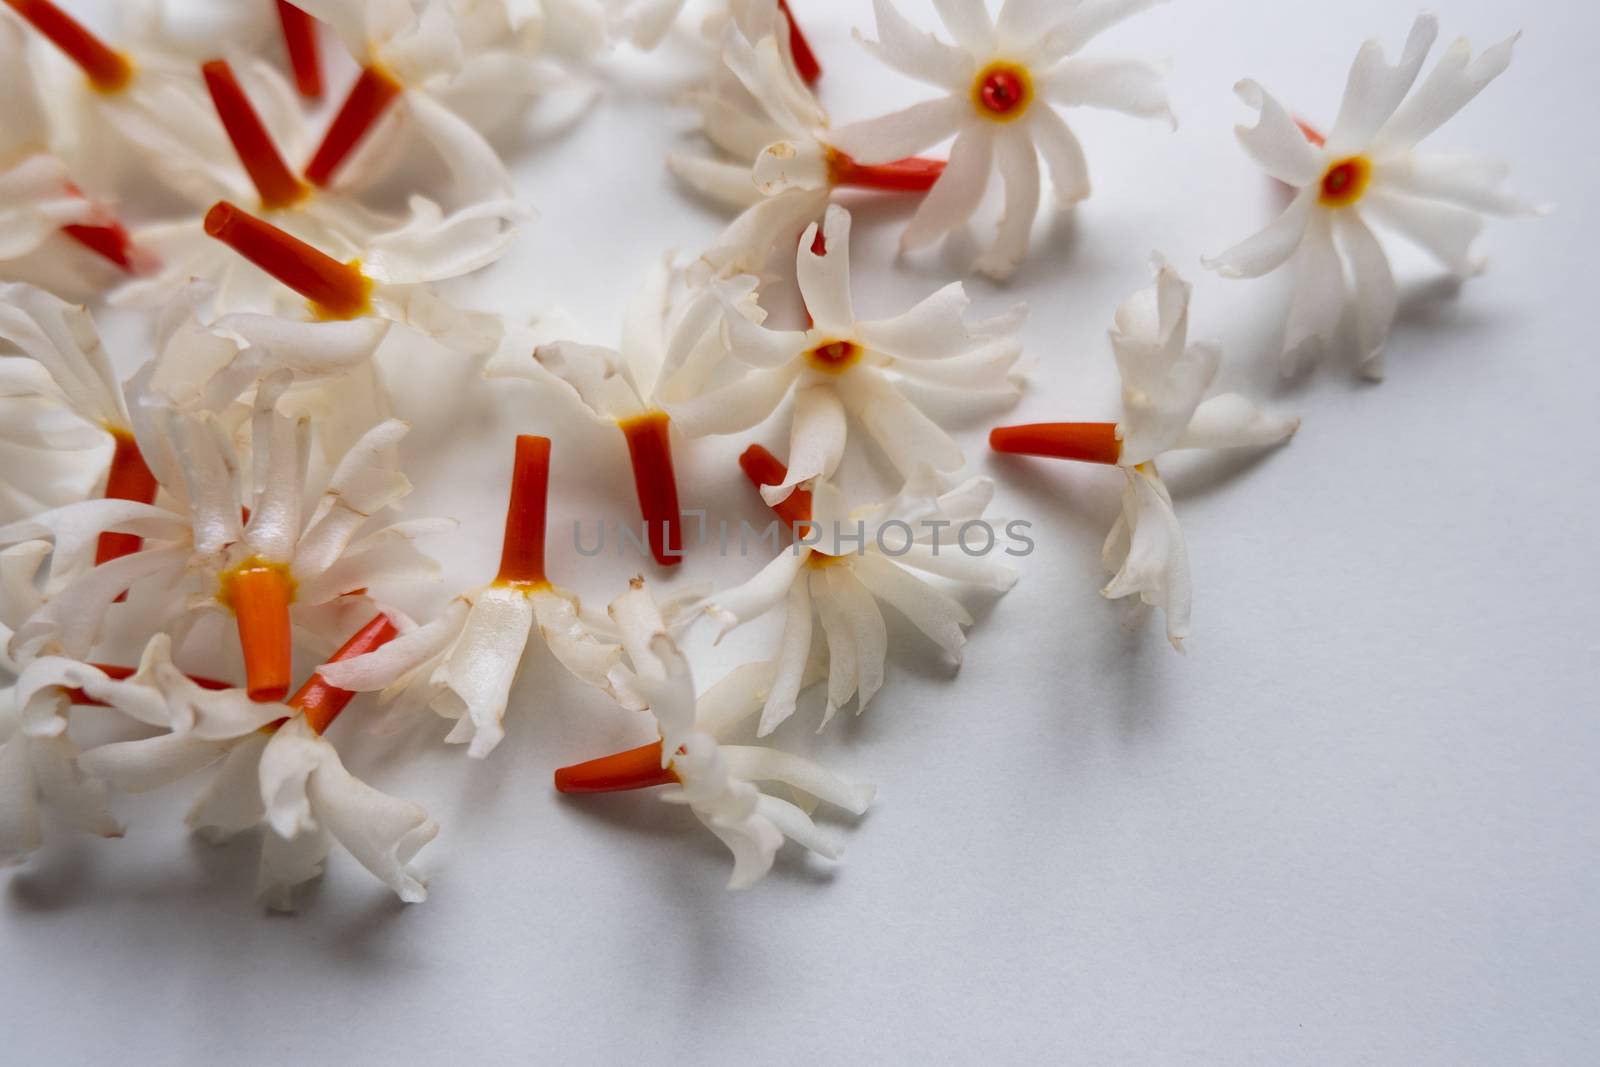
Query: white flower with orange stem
{"type": "Point", "coordinates": [211, 548]}
{"type": "Point", "coordinates": [1004, 79]}
{"type": "Point", "coordinates": [278, 770]}
{"type": "Point", "coordinates": [1165, 380]}
{"type": "Point", "coordinates": [50, 233]}
{"type": "Point", "coordinates": [779, 168]}
{"type": "Point", "coordinates": [135, 104]}
{"type": "Point", "coordinates": [844, 364]}
{"type": "Point", "coordinates": [836, 577]}
{"type": "Point", "coordinates": [718, 782]}
{"type": "Point", "coordinates": [464, 663]}
{"type": "Point", "coordinates": [1369, 171]}
{"type": "Point", "coordinates": [424, 246]}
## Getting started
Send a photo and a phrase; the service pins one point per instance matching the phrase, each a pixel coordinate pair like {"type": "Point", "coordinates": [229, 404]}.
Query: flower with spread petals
{"type": "Point", "coordinates": [464, 663]}
{"type": "Point", "coordinates": [50, 233]}
{"type": "Point", "coordinates": [670, 341]}
{"type": "Point", "coordinates": [874, 553]}
{"type": "Point", "coordinates": [426, 245]}
{"type": "Point", "coordinates": [267, 563]}
{"type": "Point", "coordinates": [1004, 77]}
{"type": "Point", "coordinates": [781, 171]}
{"type": "Point", "coordinates": [1368, 171]}
{"type": "Point", "coordinates": [39, 763]}
{"type": "Point", "coordinates": [842, 364]}
{"type": "Point", "coordinates": [1164, 384]}
{"type": "Point", "coordinates": [716, 781]}
{"type": "Point", "coordinates": [277, 769]}
{"type": "Point", "coordinates": [136, 109]}
{"type": "Point", "coordinates": [409, 53]}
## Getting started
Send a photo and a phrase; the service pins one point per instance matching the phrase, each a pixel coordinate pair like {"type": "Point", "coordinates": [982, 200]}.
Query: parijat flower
{"type": "Point", "coordinates": [1164, 384]}
{"type": "Point", "coordinates": [715, 780]}
{"type": "Point", "coordinates": [141, 105]}
{"type": "Point", "coordinates": [336, 290]}
{"type": "Point", "coordinates": [267, 563]}
{"type": "Point", "coordinates": [424, 246]}
{"type": "Point", "coordinates": [407, 52]}
{"type": "Point", "coordinates": [669, 342]}
{"type": "Point", "coordinates": [44, 218]}
{"type": "Point", "coordinates": [842, 364]}
{"type": "Point", "coordinates": [278, 769]}
{"type": "Point", "coordinates": [1005, 78]}
{"type": "Point", "coordinates": [39, 763]}
{"type": "Point", "coordinates": [843, 563]}
{"type": "Point", "coordinates": [645, 23]}
{"type": "Point", "coordinates": [1368, 171]}
{"type": "Point", "coordinates": [464, 663]}
{"type": "Point", "coordinates": [781, 170]}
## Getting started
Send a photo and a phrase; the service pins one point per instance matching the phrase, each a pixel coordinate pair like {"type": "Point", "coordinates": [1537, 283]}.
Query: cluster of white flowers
{"type": "Point", "coordinates": [239, 473]}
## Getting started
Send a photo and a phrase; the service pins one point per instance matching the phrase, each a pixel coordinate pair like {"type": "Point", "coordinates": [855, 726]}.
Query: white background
{"type": "Point", "coordinates": [1355, 824]}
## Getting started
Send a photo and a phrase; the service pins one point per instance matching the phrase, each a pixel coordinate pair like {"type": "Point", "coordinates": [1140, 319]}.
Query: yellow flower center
{"type": "Point", "coordinates": [1002, 91]}
{"type": "Point", "coordinates": [835, 357]}
{"type": "Point", "coordinates": [1346, 181]}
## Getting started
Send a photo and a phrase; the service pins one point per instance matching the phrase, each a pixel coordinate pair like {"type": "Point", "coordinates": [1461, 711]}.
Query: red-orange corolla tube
{"type": "Point", "coordinates": [368, 100]}
{"type": "Point", "coordinates": [649, 440]}
{"type": "Point", "coordinates": [274, 181]}
{"type": "Point", "coordinates": [637, 768]}
{"type": "Point", "coordinates": [1086, 442]}
{"type": "Point", "coordinates": [259, 594]}
{"type": "Point", "coordinates": [805, 60]}
{"type": "Point", "coordinates": [522, 550]}
{"type": "Point", "coordinates": [106, 68]}
{"type": "Point", "coordinates": [300, 41]}
{"type": "Point", "coordinates": [336, 290]}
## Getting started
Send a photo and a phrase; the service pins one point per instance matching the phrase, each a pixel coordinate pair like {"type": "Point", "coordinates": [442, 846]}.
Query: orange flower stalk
{"type": "Point", "coordinates": [300, 40]}
{"type": "Point", "coordinates": [336, 290]}
{"type": "Point", "coordinates": [277, 184]}
{"type": "Point", "coordinates": [911, 175]}
{"type": "Point", "coordinates": [107, 69]}
{"type": "Point", "coordinates": [805, 60]}
{"type": "Point", "coordinates": [763, 468]}
{"type": "Point", "coordinates": [128, 479]}
{"type": "Point", "coordinates": [108, 240]}
{"type": "Point", "coordinates": [1086, 442]}
{"type": "Point", "coordinates": [522, 550]}
{"type": "Point", "coordinates": [321, 701]}
{"type": "Point", "coordinates": [649, 440]}
{"type": "Point", "coordinates": [637, 768]}
{"type": "Point", "coordinates": [259, 593]}
{"type": "Point", "coordinates": [368, 100]}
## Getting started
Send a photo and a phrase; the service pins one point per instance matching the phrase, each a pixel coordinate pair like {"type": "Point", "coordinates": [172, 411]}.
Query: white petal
{"type": "Point", "coordinates": [737, 696]}
{"type": "Point", "coordinates": [1157, 563]}
{"type": "Point", "coordinates": [1375, 89]}
{"type": "Point", "coordinates": [756, 764]}
{"type": "Point", "coordinates": [1126, 85]}
{"type": "Point", "coordinates": [906, 435]}
{"type": "Point", "coordinates": [393, 661]}
{"type": "Point", "coordinates": [288, 761]}
{"type": "Point", "coordinates": [287, 863]}
{"type": "Point", "coordinates": [20, 833]}
{"type": "Point", "coordinates": [797, 826]}
{"type": "Point", "coordinates": [475, 168]}
{"type": "Point", "coordinates": [785, 165]}
{"type": "Point", "coordinates": [816, 440]}
{"type": "Point", "coordinates": [70, 619]}
{"type": "Point", "coordinates": [71, 794]}
{"type": "Point", "coordinates": [1018, 164]}
{"type": "Point", "coordinates": [1229, 420]}
{"type": "Point", "coordinates": [1447, 233]}
{"type": "Point", "coordinates": [917, 53]}
{"type": "Point", "coordinates": [232, 802]}
{"type": "Point", "coordinates": [738, 605]}
{"type": "Point", "coordinates": [1062, 152]}
{"type": "Point", "coordinates": [1319, 296]}
{"type": "Point", "coordinates": [1276, 142]}
{"type": "Point", "coordinates": [63, 339]}
{"type": "Point", "coordinates": [868, 634]}
{"type": "Point", "coordinates": [730, 183]}
{"type": "Point", "coordinates": [761, 348]}
{"type": "Point", "coordinates": [843, 669]}
{"type": "Point", "coordinates": [1452, 84]}
{"type": "Point", "coordinates": [383, 833]}
{"type": "Point", "coordinates": [1372, 287]}
{"type": "Point", "coordinates": [476, 675]}
{"type": "Point", "coordinates": [571, 642]}
{"type": "Point", "coordinates": [670, 694]}
{"type": "Point", "coordinates": [969, 23]}
{"type": "Point", "coordinates": [735, 407]}
{"type": "Point", "coordinates": [1087, 20]}
{"type": "Point", "coordinates": [1272, 247]}
{"type": "Point", "coordinates": [933, 612]}
{"type": "Point", "coordinates": [1474, 182]}
{"type": "Point", "coordinates": [140, 766]}
{"type": "Point", "coordinates": [753, 841]}
{"type": "Point", "coordinates": [794, 651]}
{"type": "Point", "coordinates": [902, 133]}
{"type": "Point", "coordinates": [959, 190]}
{"type": "Point", "coordinates": [432, 246]}
{"type": "Point", "coordinates": [825, 279]}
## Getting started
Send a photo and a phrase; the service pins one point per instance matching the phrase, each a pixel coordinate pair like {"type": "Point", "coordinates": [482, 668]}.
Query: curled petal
{"type": "Point", "coordinates": [1156, 566]}
{"type": "Point", "coordinates": [1276, 142]}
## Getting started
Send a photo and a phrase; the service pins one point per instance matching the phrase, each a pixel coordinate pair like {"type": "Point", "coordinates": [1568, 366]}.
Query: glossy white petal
{"type": "Point", "coordinates": [756, 764]}
{"type": "Point", "coordinates": [1272, 247]}
{"type": "Point", "coordinates": [738, 605]}
{"type": "Point", "coordinates": [1452, 84]}
{"type": "Point", "coordinates": [959, 190]}
{"type": "Point", "coordinates": [1372, 288]}
{"type": "Point", "coordinates": [1063, 154]}
{"type": "Point", "coordinates": [398, 658]}
{"type": "Point", "coordinates": [736, 407]}
{"type": "Point", "coordinates": [1229, 420]}
{"type": "Point", "coordinates": [1018, 164]}
{"type": "Point", "coordinates": [1445, 232]}
{"type": "Point", "coordinates": [1130, 86]}
{"type": "Point", "coordinates": [573, 644]}
{"type": "Point", "coordinates": [1085, 21]}
{"type": "Point", "coordinates": [816, 440]}
{"type": "Point", "coordinates": [939, 616]}
{"type": "Point", "coordinates": [794, 651]}
{"type": "Point", "coordinates": [869, 638]}
{"type": "Point", "coordinates": [1156, 562]}
{"type": "Point", "coordinates": [476, 675]}
{"type": "Point", "coordinates": [232, 803]}
{"type": "Point", "coordinates": [917, 53]}
{"type": "Point", "coordinates": [825, 279]}
{"type": "Point", "coordinates": [906, 435]}
{"type": "Point", "coordinates": [1276, 142]}
{"type": "Point", "coordinates": [1375, 89]}
{"type": "Point", "coordinates": [1319, 294]}
{"type": "Point", "coordinates": [902, 133]}
{"type": "Point", "coordinates": [1474, 182]}
{"type": "Point", "coordinates": [63, 339]}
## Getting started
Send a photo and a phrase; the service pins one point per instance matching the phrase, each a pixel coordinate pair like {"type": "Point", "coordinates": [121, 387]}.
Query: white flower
{"type": "Point", "coordinates": [408, 53]}
{"type": "Point", "coordinates": [758, 111]}
{"type": "Point", "coordinates": [464, 663]}
{"type": "Point", "coordinates": [873, 553]}
{"type": "Point", "coordinates": [716, 781]}
{"type": "Point", "coordinates": [277, 769]}
{"type": "Point", "coordinates": [515, 51]}
{"type": "Point", "coordinates": [842, 364]}
{"type": "Point", "coordinates": [198, 553]}
{"type": "Point", "coordinates": [50, 233]}
{"type": "Point", "coordinates": [670, 342]}
{"type": "Point", "coordinates": [1164, 382]}
{"type": "Point", "coordinates": [140, 105]}
{"type": "Point", "coordinates": [1368, 171]}
{"type": "Point", "coordinates": [1004, 79]}
{"type": "Point", "coordinates": [424, 246]}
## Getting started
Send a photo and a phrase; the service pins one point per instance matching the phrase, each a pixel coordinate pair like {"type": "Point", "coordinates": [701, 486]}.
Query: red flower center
{"type": "Point", "coordinates": [1003, 91]}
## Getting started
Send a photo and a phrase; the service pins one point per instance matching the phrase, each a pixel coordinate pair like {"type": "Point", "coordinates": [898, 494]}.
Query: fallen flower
{"type": "Point", "coordinates": [1368, 171]}
{"type": "Point", "coordinates": [1164, 382]}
